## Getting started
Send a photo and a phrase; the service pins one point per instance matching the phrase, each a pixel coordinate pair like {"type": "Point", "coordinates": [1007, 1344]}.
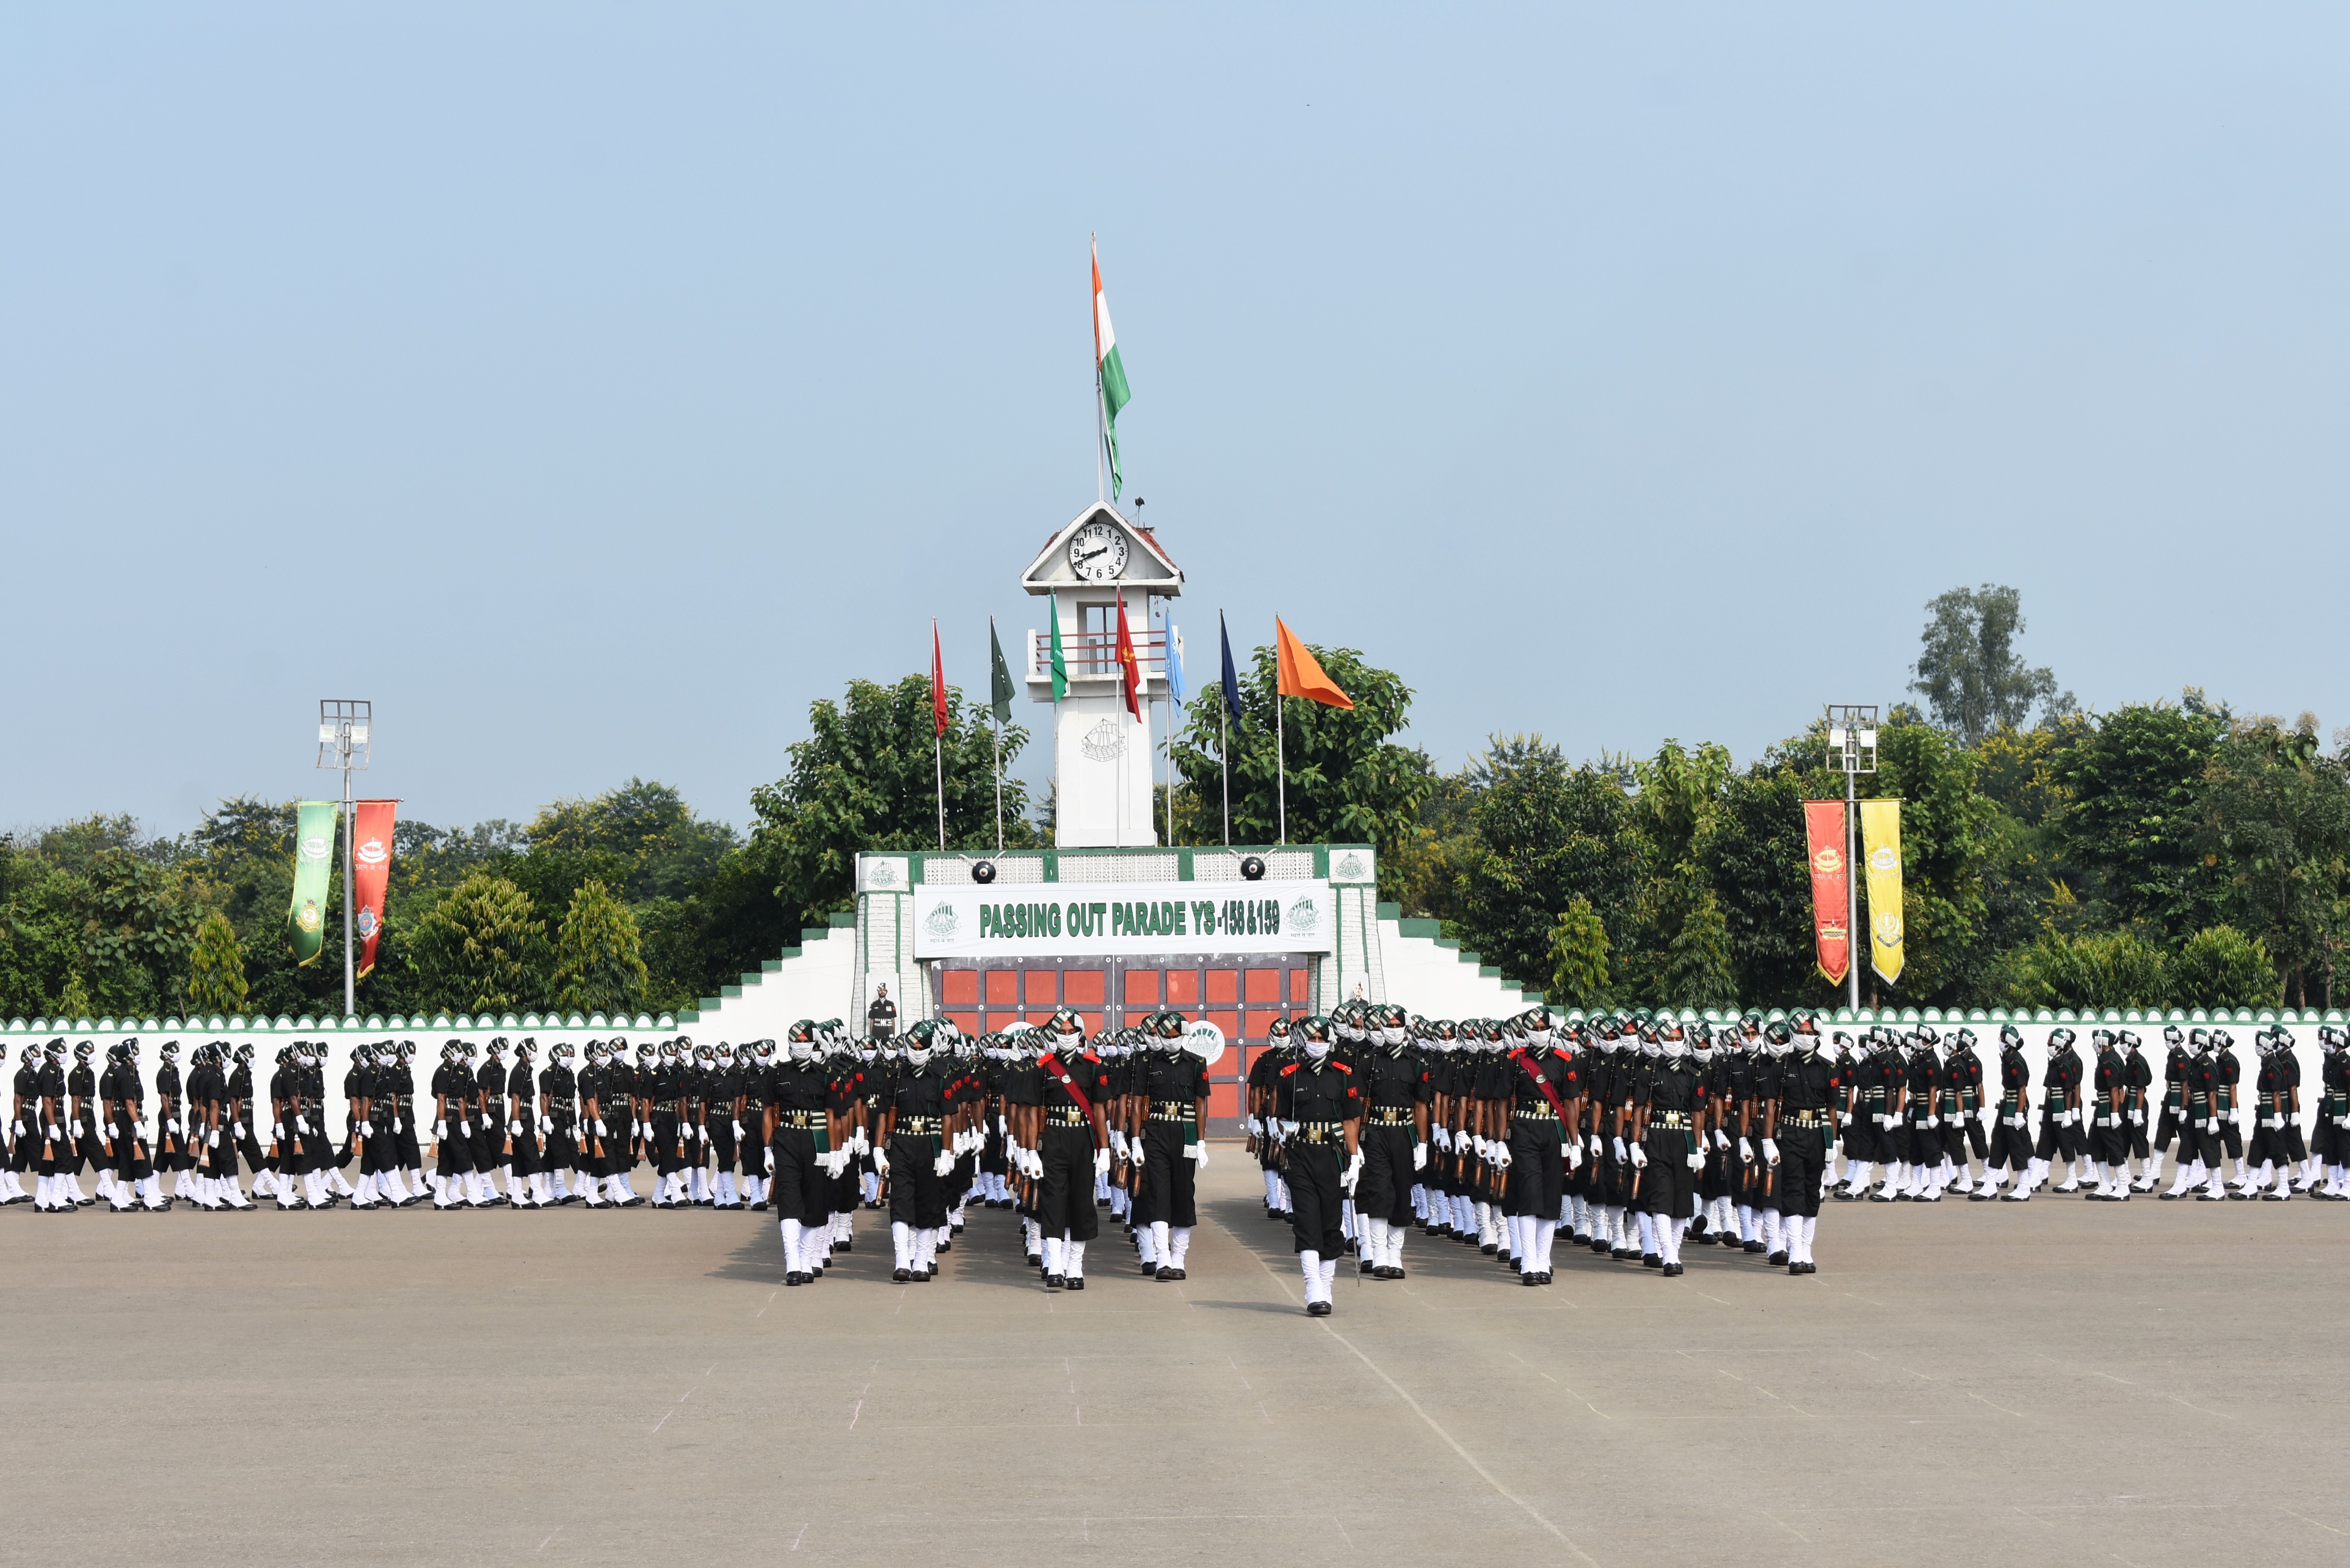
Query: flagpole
{"type": "Point", "coordinates": [1224, 760]}
{"type": "Point", "coordinates": [939, 756]}
{"type": "Point", "coordinates": [994, 658]}
{"type": "Point", "coordinates": [1101, 420]}
{"type": "Point", "coordinates": [1281, 761]}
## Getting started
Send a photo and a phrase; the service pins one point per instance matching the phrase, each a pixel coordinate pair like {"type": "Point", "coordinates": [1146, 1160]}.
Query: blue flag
{"type": "Point", "coordinates": [1232, 676]}
{"type": "Point", "coordinates": [1174, 663]}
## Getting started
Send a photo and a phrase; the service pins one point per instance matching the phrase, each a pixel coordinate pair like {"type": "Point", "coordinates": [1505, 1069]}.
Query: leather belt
{"type": "Point", "coordinates": [1172, 1110]}
{"type": "Point", "coordinates": [1063, 1117]}
{"type": "Point", "coordinates": [1668, 1119]}
{"type": "Point", "coordinates": [809, 1119]}
{"type": "Point", "coordinates": [1320, 1132]}
{"type": "Point", "coordinates": [1807, 1118]}
{"type": "Point", "coordinates": [916, 1126]}
{"type": "Point", "coordinates": [1389, 1116]}
{"type": "Point", "coordinates": [1532, 1114]}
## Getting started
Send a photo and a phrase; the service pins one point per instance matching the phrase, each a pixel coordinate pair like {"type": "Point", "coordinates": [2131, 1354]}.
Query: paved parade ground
{"type": "Point", "coordinates": [2056, 1383]}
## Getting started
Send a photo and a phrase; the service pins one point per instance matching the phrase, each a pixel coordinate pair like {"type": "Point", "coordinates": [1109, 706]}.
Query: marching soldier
{"type": "Point", "coordinates": [1072, 1148]}
{"type": "Point", "coordinates": [1539, 1143]}
{"type": "Point", "coordinates": [1809, 1090]}
{"type": "Point", "coordinates": [121, 1095]}
{"type": "Point", "coordinates": [55, 1192]}
{"type": "Point", "coordinates": [526, 1167]}
{"type": "Point", "coordinates": [2108, 1108]}
{"type": "Point", "coordinates": [806, 1147]}
{"type": "Point", "coordinates": [2011, 1139]}
{"type": "Point", "coordinates": [915, 1161]}
{"type": "Point", "coordinates": [2330, 1145]}
{"type": "Point", "coordinates": [1319, 1108]}
{"type": "Point", "coordinates": [23, 1125]}
{"type": "Point", "coordinates": [1166, 1150]}
{"type": "Point", "coordinates": [1664, 1145]}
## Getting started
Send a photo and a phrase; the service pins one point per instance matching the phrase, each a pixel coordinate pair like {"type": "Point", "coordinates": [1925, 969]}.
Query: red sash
{"type": "Point", "coordinates": [1544, 1084]}
{"type": "Point", "coordinates": [1052, 1064]}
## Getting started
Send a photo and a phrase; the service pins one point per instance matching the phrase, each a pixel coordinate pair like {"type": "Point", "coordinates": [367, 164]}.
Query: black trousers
{"type": "Point", "coordinates": [1803, 1159]}
{"type": "Point", "coordinates": [1064, 1199]}
{"type": "Point", "coordinates": [1669, 1187]}
{"type": "Point", "coordinates": [2009, 1146]}
{"type": "Point", "coordinates": [803, 1190]}
{"type": "Point", "coordinates": [1384, 1190]}
{"type": "Point", "coordinates": [2058, 1141]}
{"type": "Point", "coordinates": [667, 1154]}
{"type": "Point", "coordinates": [1168, 1189]}
{"type": "Point", "coordinates": [523, 1158]}
{"type": "Point", "coordinates": [456, 1153]}
{"type": "Point", "coordinates": [722, 1139]}
{"type": "Point", "coordinates": [2109, 1142]}
{"type": "Point", "coordinates": [918, 1194]}
{"type": "Point", "coordinates": [1312, 1172]}
{"type": "Point", "coordinates": [1537, 1168]}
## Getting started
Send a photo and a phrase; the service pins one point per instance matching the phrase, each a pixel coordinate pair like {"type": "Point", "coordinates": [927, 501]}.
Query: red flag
{"type": "Point", "coordinates": [371, 871]}
{"type": "Point", "coordinates": [1129, 668]}
{"type": "Point", "coordinates": [1300, 672]}
{"type": "Point", "coordinates": [1825, 839]}
{"type": "Point", "coordinates": [938, 683]}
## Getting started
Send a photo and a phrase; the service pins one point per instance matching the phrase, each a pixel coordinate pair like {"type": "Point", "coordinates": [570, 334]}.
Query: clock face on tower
{"type": "Point", "coordinates": [1098, 553]}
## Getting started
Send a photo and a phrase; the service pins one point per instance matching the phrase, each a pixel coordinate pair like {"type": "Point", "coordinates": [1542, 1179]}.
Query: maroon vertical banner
{"type": "Point", "coordinates": [371, 871]}
{"type": "Point", "coordinates": [1824, 840]}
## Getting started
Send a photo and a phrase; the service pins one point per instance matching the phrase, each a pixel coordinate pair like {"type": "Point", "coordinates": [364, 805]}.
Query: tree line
{"type": "Point", "coordinates": [2167, 853]}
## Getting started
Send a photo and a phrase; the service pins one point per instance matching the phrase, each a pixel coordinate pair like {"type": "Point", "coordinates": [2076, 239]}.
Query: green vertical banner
{"type": "Point", "coordinates": [314, 860]}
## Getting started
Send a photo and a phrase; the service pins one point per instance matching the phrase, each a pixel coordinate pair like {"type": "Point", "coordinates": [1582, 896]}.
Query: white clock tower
{"type": "Point", "coordinates": [1103, 770]}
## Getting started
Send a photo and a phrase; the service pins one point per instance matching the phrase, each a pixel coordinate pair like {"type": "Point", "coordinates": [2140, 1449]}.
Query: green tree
{"type": "Point", "coordinates": [1697, 970]}
{"type": "Point", "coordinates": [2220, 966]}
{"type": "Point", "coordinates": [481, 948]}
{"type": "Point", "coordinates": [1348, 780]}
{"type": "Point", "coordinates": [2100, 969]}
{"type": "Point", "coordinates": [2131, 812]}
{"type": "Point", "coordinates": [138, 922]}
{"type": "Point", "coordinates": [598, 962]}
{"type": "Point", "coordinates": [1578, 945]}
{"type": "Point", "coordinates": [864, 780]}
{"type": "Point", "coordinates": [1754, 858]}
{"type": "Point", "coordinates": [662, 851]}
{"type": "Point", "coordinates": [1544, 833]}
{"type": "Point", "coordinates": [1947, 841]}
{"type": "Point", "coordinates": [1968, 669]}
{"type": "Point", "coordinates": [216, 968]}
{"type": "Point", "coordinates": [2277, 827]}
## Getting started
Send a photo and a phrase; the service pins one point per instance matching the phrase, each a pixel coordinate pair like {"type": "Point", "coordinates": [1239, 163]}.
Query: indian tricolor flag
{"type": "Point", "coordinates": [1110, 371]}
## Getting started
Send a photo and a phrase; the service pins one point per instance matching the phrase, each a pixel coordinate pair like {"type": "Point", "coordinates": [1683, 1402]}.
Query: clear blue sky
{"type": "Point", "coordinates": [593, 387]}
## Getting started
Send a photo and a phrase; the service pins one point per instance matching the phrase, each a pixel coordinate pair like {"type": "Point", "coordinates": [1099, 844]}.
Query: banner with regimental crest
{"type": "Point", "coordinates": [371, 871]}
{"type": "Point", "coordinates": [1825, 841]}
{"type": "Point", "coordinates": [314, 859]}
{"type": "Point", "coordinates": [1880, 849]}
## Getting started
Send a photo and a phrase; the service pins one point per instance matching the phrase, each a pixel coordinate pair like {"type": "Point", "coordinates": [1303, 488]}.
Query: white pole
{"type": "Point", "coordinates": [938, 758]}
{"type": "Point", "coordinates": [1281, 763]}
{"type": "Point", "coordinates": [1852, 889]}
{"type": "Point", "coordinates": [350, 982]}
{"type": "Point", "coordinates": [1224, 759]}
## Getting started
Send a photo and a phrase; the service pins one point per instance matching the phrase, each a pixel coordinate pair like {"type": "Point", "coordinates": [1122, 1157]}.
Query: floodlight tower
{"type": "Point", "coordinates": [344, 726]}
{"type": "Point", "coordinates": [1851, 746]}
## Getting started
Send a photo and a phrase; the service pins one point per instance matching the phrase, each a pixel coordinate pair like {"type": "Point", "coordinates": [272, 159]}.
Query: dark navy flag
{"type": "Point", "coordinates": [1232, 676]}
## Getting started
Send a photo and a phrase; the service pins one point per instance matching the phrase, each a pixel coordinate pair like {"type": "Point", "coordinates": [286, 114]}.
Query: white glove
{"type": "Point", "coordinates": [1500, 1157]}
{"type": "Point", "coordinates": [1035, 1165]}
{"type": "Point", "coordinates": [1843, 1118]}
{"type": "Point", "coordinates": [1101, 1161]}
{"type": "Point", "coordinates": [54, 1133]}
{"type": "Point", "coordinates": [1289, 1129]}
{"type": "Point", "coordinates": [1419, 1156]}
{"type": "Point", "coordinates": [828, 1162]}
{"type": "Point", "coordinates": [547, 1126]}
{"type": "Point", "coordinates": [1885, 1120]}
{"type": "Point", "coordinates": [1696, 1161]}
{"type": "Point", "coordinates": [301, 1127]}
{"type": "Point", "coordinates": [1573, 1153]}
{"type": "Point", "coordinates": [1596, 1149]}
{"type": "Point", "coordinates": [1117, 1142]}
{"type": "Point", "coordinates": [738, 1130]}
{"type": "Point", "coordinates": [1745, 1151]}
{"type": "Point", "coordinates": [439, 1129]}
{"type": "Point", "coordinates": [701, 1131]}
{"type": "Point", "coordinates": [1441, 1138]}
{"type": "Point", "coordinates": [1199, 1153]}
{"type": "Point", "coordinates": [20, 1130]}
{"type": "Point", "coordinates": [1933, 1121]}
{"type": "Point", "coordinates": [465, 1128]}
{"type": "Point", "coordinates": [1621, 1156]}
{"type": "Point", "coordinates": [2137, 1118]}
{"type": "Point", "coordinates": [1721, 1138]}
{"type": "Point", "coordinates": [1353, 1171]}
{"type": "Point", "coordinates": [943, 1163]}
{"type": "Point", "coordinates": [1771, 1150]}
{"type": "Point", "coordinates": [395, 1127]}
{"type": "Point", "coordinates": [277, 1131]}
{"type": "Point", "coordinates": [215, 1138]}
{"type": "Point", "coordinates": [635, 1127]}
{"type": "Point", "coordinates": [2211, 1125]}
{"type": "Point", "coordinates": [1639, 1157]}
{"type": "Point", "coordinates": [880, 1162]}
{"type": "Point", "coordinates": [1134, 1152]}
{"type": "Point", "coordinates": [513, 1128]}
{"type": "Point", "coordinates": [599, 1128]}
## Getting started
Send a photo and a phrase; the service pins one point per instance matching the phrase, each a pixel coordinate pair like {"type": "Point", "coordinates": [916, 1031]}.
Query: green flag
{"type": "Point", "coordinates": [314, 859]}
{"type": "Point", "coordinates": [999, 685]}
{"type": "Point", "coordinates": [1060, 663]}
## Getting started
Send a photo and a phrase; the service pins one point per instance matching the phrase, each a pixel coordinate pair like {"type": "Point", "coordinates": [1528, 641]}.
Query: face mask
{"type": "Point", "coordinates": [917, 1059]}
{"type": "Point", "coordinates": [1317, 1049]}
{"type": "Point", "coordinates": [802, 1050]}
{"type": "Point", "coordinates": [1674, 1049]}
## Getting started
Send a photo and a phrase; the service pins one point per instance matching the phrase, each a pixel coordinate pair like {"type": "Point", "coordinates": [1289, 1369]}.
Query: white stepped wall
{"type": "Point", "coordinates": [1437, 982]}
{"type": "Point", "coordinates": [818, 981]}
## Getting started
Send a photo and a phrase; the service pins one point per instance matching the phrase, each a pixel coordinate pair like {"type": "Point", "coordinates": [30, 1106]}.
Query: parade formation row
{"type": "Point", "coordinates": [1630, 1133]}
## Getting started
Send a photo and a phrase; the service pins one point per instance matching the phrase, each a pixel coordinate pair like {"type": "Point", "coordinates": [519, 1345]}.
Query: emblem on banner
{"type": "Point", "coordinates": [313, 847]}
{"type": "Point", "coordinates": [373, 853]}
{"type": "Point", "coordinates": [1887, 928]}
{"type": "Point", "coordinates": [308, 919]}
{"type": "Point", "coordinates": [1348, 867]}
{"type": "Point", "coordinates": [1303, 915]}
{"type": "Point", "coordinates": [1885, 857]}
{"type": "Point", "coordinates": [366, 922]}
{"type": "Point", "coordinates": [941, 922]}
{"type": "Point", "coordinates": [1828, 861]}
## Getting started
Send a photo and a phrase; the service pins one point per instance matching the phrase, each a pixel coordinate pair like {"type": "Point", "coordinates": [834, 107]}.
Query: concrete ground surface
{"type": "Point", "coordinates": [2052, 1383]}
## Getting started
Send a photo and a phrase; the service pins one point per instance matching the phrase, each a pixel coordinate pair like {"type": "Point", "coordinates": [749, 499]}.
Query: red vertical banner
{"type": "Point", "coordinates": [938, 685]}
{"type": "Point", "coordinates": [1824, 840]}
{"type": "Point", "coordinates": [371, 871]}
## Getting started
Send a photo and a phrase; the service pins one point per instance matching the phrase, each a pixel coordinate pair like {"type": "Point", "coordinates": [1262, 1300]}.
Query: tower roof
{"type": "Point", "coordinates": [1147, 566]}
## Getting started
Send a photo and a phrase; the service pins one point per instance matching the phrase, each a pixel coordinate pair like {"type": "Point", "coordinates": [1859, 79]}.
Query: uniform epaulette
{"type": "Point", "coordinates": [1288, 1070]}
{"type": "Point", "coordinates": [1090, 1056]}
{"type": "Point", "coordinates": [1342, 1067]}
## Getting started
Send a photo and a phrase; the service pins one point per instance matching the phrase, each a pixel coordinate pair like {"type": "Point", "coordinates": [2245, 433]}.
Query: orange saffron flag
{"type": "Point", "coordinates": [1300, 672]}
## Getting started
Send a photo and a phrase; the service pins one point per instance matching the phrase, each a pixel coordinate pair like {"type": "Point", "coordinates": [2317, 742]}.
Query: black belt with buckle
{"type": "Point", "coordinates": [1172, 1110]}
{"type": "Point", "coordinates": [799, 1118]}
{"type": "Point", "coordinates": [1807, 1118]}
{"type": "Point", "coordinates": [1320, 1132]}
{"type": "Point", "coordinates": [1390, 1116]}
{"type": "Point", "coordinates": [1533, 1114]}
{"type": "Point", "coordinates": [918, 1125]}
{"type": "Point", "coordinates": [1668, 1119]}
{"type": "Point", "coordinates": [1063, 1117]}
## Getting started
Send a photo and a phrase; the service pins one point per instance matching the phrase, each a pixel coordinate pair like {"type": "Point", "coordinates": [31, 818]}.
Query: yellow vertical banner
{"type": "Point", "coordinates": [1880, 851]}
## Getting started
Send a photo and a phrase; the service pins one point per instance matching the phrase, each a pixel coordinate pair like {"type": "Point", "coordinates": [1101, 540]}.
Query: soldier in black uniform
{"type": "Point", "coordinates": [1072, 1148]}
{"type": "Point", "coordinates": [2061, 1141]}
{"type": "Point", "coordinates": [526, 1183]}
{"type": "Point", "coordinates": [806, 1148]}
{"type": "Point", "coordinates": [53, 1192]}
{"type": "Point", "coordinates": [2227, 1076]}
{"type": "Point", "coordinates": [882, 1018]}
{"type": "Point", "coordinates": [1664, 1145]}
{"type": "Point", "coordinates": [1319, 1108]}
{"type": "Point", "coordinates": [2198, 1139]}
{"type": "Point", "coordinates": [12, 1144]}
{"type": "Point", "coordinates": [1393, 1077]}
{"type": "Point", "coordinates": [878, 1071]}
{"type": "Point", "coordinates": [2010, 1135]}
{"type": "Point", "coordinates": [122, 1108]}
{"type": "Point", "coordinates": [2107, 1108]}
{"type": "Point", "coordinates": [171, 1123]}
{"type": "Point", "coordinates": [81, 1130]}
{"type": "Point", "coordinates": [1262, 1144]}
{"type": "Point", "coordinates": [2276, 1150]}
{"type": "Point", "coordinates": [665, 1127]}
{"type": "Point", "coordinates": [720, 1091]}
{"type": "Point", "coordinates": [1168, 1152]}
{"type": "Point", "coordinates": [1809, 1090]}
{"type": "Point", "coordinates": [914, 1158]}
{"type": "Point", "coordinates": [2330, 1144]}
{"type": "Point", "coordinates": [1539, 1144]}
{"type": "Point", "coordinates": [453, 1098]}
{"type": "Point", "coordinates": [558, 1123]}
{"type": "Point", "coordinates": [24, 1124]}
